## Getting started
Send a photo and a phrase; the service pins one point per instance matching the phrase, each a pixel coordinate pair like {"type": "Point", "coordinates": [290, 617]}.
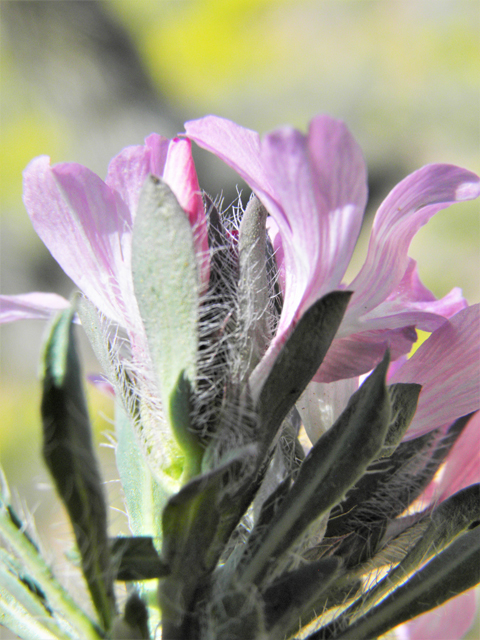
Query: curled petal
{"type": "Point", "coordinates": [446, 365]}
{"type": "Point", "coordinates": [408, 207]}
{"type": "Point", "coordinates": [410, 303]}
{"type": "Point", "coordinates": [31, 306]}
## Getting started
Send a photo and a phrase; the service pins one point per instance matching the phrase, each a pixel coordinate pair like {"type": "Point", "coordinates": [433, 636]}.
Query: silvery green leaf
{"type": "Point", "coordinates": [96, 333]}
{"type": "Point", "coordinates": [334, 464]}
{"type": "Point", "coordinates": [68, 452]}
{"type": "Point", "coordinates": [167, 289]}
{"type": "Point", "coordinates": [298, 361]}
{"type": "Point", "coordinates": [145, 497]}
{"type": "Point", "coordinates": [135, 558]}
{"type": "Point", "coordinates": [450, 573]}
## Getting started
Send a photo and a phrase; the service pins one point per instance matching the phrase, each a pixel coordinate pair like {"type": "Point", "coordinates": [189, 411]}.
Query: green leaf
{"type": "Point", "coordinates": [450, 573]}
{"type": "Point", "coordinates": [22, 621]}
{"type": "Point", "coordinates": [68, 452]}
{"type": "Point", "coordinates": [338, 459]}
{"type": "Point", "coordinates": [135, 558]}
{"type": "Point", "coordinates": [298, 361]}
{"type": "Point", "coordinates": [167, 289]}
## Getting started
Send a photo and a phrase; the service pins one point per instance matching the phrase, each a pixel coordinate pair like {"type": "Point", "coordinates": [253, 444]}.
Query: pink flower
{"type": "Point", "coordinates": [87, 223]}
{"type": "Point", "coordinates": [314, 187]}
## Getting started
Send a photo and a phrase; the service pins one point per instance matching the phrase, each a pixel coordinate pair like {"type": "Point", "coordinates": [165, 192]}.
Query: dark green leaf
{"type": "Point", "coordinates": [386, 490]}
{"type": "Point", "coordinates": [298, 361]}
{"type": "Point", "coordinates": [69, 454]}
{"type": "Point", "coordinates": [134, 624]}
{"type": "Point", "coordinates": [191, 547]}
{"type": "Point", "coordinates": [333, 465]}
{"type": "Point", "coordinates": [450, 573]}
{"type": "Point", "coordinates": [291, 595]}
{"type": "Point", "coordinates": [404, 399]}
{"type": "Point", "coordinates": [135, 558]}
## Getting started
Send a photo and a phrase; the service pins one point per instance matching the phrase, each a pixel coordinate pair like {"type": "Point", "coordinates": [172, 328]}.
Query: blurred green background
{"type": "Point", "coordinates": [81, 79]}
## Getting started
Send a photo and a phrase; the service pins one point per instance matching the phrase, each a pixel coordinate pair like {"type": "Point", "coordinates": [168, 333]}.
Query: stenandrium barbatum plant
{"type": "Point", "coordinates": [270, 495]}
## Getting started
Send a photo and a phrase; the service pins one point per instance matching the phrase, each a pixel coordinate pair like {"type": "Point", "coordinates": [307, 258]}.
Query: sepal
{"type": "Point", "coordinates": [166, 282]}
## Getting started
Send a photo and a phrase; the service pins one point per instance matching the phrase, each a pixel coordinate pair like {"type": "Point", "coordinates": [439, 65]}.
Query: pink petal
{"type": "Point", "coordinates": [236, 146]}
{"type": "Point", "coordinates": [447, 367]}
{"type": "Point", "coordinates": [462, 467]}
{"type": "Point", "coordinates": [451, 621]}
{"type": "Point", "coordinates": [319, 183]}
{"type": "Point", "coordinates": [28, 306]}
{"type": "Point", "coordinates": [408, 207]}
{"type": "Point", "coordinates": [410, 303]}
{"type": "Point", "coordinates": [359, 353]}
{"type": "Point", "coordinates": [128, 171]}
{"type": "Point", "coordinates": [86, 227]}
